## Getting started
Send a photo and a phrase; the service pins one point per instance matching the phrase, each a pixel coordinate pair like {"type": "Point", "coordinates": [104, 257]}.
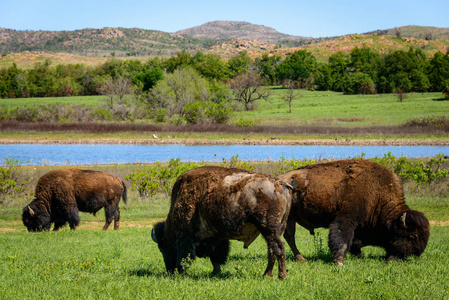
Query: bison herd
{"type": "Point", "coordinates": [361, 202]}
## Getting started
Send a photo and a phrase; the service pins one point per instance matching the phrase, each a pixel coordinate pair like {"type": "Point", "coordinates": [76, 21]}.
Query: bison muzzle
{"type": "Point", "coordinates": [361, 202]}
{"type": "Point", "coordinates": [211, 205]}
{"type": "Point", "coordinates": [61, 194]}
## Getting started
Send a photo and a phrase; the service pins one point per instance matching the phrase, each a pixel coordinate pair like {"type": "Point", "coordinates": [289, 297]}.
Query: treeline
{"type": "Point", "coordinates": [361, 71]}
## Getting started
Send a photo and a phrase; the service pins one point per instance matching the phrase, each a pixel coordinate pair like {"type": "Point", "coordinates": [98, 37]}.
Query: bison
{"type": "Point", "coordinates": [211, 205]}
{"type": "Point", "coordinates": [361, 202]}
{"type": "Point", "coordinates": [61, 194]}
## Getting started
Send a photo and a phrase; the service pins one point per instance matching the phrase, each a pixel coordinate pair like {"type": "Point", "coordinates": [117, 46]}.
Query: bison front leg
{"type": "Point", "coordinates": [289, 236]}
{"type": "Point", "coordinates": [185, 248]}
{"type": "Point", "coordinates": [341, 234]}
{"type": "Point", "coordinates": [219, 256]}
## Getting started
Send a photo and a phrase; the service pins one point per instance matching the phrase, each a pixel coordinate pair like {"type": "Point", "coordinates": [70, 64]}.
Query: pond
{"type": "Point", "coordinates": [82, 154]}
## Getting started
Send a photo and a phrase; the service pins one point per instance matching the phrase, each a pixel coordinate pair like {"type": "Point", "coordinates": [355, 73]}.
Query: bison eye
{"type": "Point", "coordinates": [412, 236]}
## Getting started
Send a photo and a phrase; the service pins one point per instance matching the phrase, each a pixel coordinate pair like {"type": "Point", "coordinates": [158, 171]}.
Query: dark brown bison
{"type": "Point", "coordinates": [361, 202]}
{"type": "Point", "coordinates": [211, 205]}
{"type": "Point", "coordinates": [61, 194]}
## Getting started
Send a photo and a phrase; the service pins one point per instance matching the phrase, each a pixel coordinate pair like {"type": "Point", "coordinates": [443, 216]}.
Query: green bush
{"type": "Point", "coordinates": [419, 171]}
{"type": "Point", "coordinates": [13, 178]}
{"type": "Point", "coordinates": [235, 162]}
{"type": "Point", "coordinates": [285, 165]}
{"type": "Point", "coordinates": [245, 122]}
{"type": "Point", "coordinates": [158, 178]}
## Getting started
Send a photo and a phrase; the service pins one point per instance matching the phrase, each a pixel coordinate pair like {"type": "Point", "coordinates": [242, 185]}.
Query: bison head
{"type": "Point", "coordinates": [409, 235]}
{"type": "Point", "coordinates": [166, 247]}
{"type": "Point", "coordinates": [36, 218]}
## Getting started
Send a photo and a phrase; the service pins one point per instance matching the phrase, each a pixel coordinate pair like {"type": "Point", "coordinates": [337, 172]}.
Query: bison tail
{"type": "Point", "coordinates": [124, 194]}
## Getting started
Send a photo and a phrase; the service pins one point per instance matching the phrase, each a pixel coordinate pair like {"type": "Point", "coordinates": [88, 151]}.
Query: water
{"type": "Point", "coordinates": [70, 155]}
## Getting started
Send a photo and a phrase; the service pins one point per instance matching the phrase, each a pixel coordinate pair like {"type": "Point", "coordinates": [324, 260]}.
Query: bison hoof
{"type": "Point", "coordinates": [300, 258]}
{"type": "Point", "coordinates": [282, 275]}
{"type": "Point", "coordinates": [338, 262]}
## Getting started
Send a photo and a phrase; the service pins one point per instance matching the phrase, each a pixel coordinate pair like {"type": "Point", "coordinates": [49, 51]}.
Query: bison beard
{"type": "Point", "coordinates": [361, 202]}
{"type": "Point", "coordinates": [61, 194]}
{"type": "Point", "coordinates": [211, 205]}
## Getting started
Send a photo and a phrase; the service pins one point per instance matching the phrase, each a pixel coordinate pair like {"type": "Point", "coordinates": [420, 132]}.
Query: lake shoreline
{"type": "Point", "coordinates": [198, 142]}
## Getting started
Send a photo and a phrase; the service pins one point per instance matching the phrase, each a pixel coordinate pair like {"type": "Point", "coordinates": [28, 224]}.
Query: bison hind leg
{"type": "Point", "coordinates": [276, 250]}
{"type": "Point", "coordinates": [341, 235]}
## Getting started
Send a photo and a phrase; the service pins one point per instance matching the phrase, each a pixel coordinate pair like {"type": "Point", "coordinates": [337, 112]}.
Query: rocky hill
{"type": "Point", "coordinates": [225, 38]}
{"type": "Point", "coordinates": [98, 42]}
{"type": "Point", "coordinates": [244, 31]}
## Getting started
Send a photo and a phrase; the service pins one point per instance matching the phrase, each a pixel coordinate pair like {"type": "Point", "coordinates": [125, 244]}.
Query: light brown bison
{"type": "Point", "coordinates": [211, 205]}
{"type": "Point", "coordinates": [61, 194]}
{"type": "Point", "coordinates": [361, 202]}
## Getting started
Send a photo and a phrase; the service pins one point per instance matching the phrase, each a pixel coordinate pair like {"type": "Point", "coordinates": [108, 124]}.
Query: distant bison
{"type": "Point", "coordinates": [61, 194]}
{"type": "Point", "coordinates": [211, 205]}
{"type": "Point", "coordinates": [361, 202]}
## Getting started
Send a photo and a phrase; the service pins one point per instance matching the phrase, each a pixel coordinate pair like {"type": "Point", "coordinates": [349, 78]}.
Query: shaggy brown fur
{"type": "Point", "coordinates": [361, 202]}
{"type": "Point", "coordinates": [61, 194]}
{"type": "Point", "coordinates": [211, 205]}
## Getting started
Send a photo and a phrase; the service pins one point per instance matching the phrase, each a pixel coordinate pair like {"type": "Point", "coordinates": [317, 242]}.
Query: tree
{"type": "Point", "coordinates": [298, 66]}
{"type": "Point", "coordinates": [148, 78]}
{"type": "Point", "coordinates": [291, 94]}
{"type": "Point", "coordinates": [266, 66]}
{"type": "Point", "coordinates": [116, 91]}
{"type": "Point", "coordinates": [211, 66]}
{"type": "Point", "coordinates": [239, 64]}
{"type": "Point", "coordinates": [438, 71]}
{"type": "Point", "coordinates": [181, 60]}
{"type": "Point", "coordinates": [247, 89]}
{"type": "Point", "coordinates": [178, 89]}
{"type": "Point", "coordinates": [338, 63]}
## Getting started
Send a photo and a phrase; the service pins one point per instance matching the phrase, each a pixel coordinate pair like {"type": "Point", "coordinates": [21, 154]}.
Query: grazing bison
{"type": "Point", "coordinates": [211, 205]}
{"type": "Point", "coordinates": [61, 194]}
{"type": "Point", "coordinates": [361, 202]}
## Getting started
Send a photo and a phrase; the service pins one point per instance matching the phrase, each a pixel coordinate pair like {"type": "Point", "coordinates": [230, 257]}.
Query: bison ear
{"type": "Point", "coordinates": [403, 224]}
{"type": "Point", "coordinates": [31, 211]}
{"type": "Point", "coordinates": [153, 236]}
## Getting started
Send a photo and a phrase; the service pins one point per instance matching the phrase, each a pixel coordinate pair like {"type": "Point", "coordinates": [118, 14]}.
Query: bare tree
{"type": "Point", "coordinates": [401, 94]}
{"type": "Point", "coordinates": [291, 94]}
{"type": "Point", "coordinates": [116, 90]}
{"type": "Point", "coordinates": [247, 89]}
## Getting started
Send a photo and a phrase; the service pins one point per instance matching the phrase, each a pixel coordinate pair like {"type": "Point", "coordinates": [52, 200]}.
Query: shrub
{"type": "Point", "coordinates": [158, 178]}
{"type": "Point", "coordinates": [245, 122]}
{"type": "Point", "coordinates": [432, 121]}
{"type": "Point", "coordinates": [285, 165]}
{"type": "Point", "coordinates": [13, 178]}
{"type": "Point", "coordinates": [160, 115]}
{"type": "Point", "coordinates": [235, 162]}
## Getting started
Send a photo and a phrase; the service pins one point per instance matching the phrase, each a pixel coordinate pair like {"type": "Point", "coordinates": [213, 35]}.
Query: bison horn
{"type": "Point", "coordinates": [31, 211]}
{"type": "Point", "coordinates": [403, 225]}
{"type": "Point", "coordinates": [153, 236]}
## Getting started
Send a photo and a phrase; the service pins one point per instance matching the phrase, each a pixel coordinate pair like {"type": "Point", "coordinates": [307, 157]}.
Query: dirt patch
{"type": "Point", "coordinates": [439, 223]}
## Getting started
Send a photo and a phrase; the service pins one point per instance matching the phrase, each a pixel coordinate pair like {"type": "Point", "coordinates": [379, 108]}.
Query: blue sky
{"type": "Point", "coordinates": [303, 18]}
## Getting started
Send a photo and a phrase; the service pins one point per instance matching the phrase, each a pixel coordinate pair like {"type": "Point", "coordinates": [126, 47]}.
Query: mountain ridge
{"type": "Point", "coordinates": [225, 38]}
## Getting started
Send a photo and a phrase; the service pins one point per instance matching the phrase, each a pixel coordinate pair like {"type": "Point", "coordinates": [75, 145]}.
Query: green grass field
{"type": "Point", "coordinates": [311, 107]}
{"type": "Point", "coordinates": [126, 264]}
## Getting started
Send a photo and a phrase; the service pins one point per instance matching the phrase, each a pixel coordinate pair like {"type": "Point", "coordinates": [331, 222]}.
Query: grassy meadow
{"type": "Point", "coordinates": [309, 107]}
{"type": "Point", "coordinates": [126, 264]}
